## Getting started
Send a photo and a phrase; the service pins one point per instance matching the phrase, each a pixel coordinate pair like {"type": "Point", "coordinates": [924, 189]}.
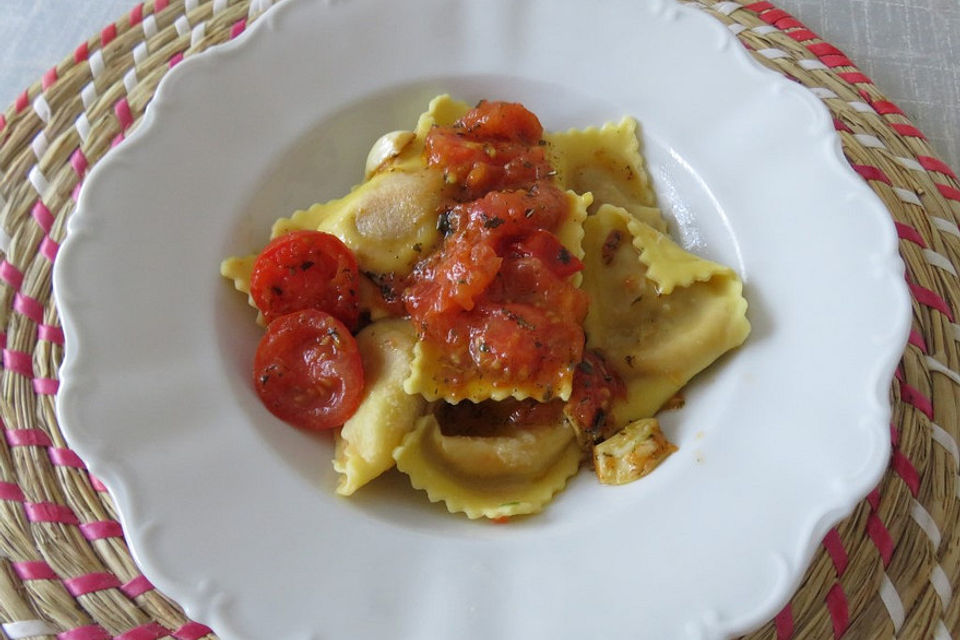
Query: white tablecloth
{"type": "Point", "coordinates": [910, 48]}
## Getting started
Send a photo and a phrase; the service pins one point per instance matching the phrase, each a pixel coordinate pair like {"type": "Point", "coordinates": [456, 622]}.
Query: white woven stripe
{"type": "Point", "coordinates": [130, 80]}
{"type": "Point", "coordinates": [823, 93]}
{"type": "Point", "coordinates": [83, 126]}
{"type": "Point", "coordinates": [39, 144]}
{"type": "Point", "coordinates": [197, 34]}
{"type": "Point", "coordinates": [764, 29]}
{"type": "Point", "coordinates": [908, 196]}
{"type": "Point", "coordinates": [219, 5]}
{"type": "Point", "coordinates": [941, 584]}
{"type": "Point", "coordinates": [96, 63]}
{"type": "Point", "coordinates": [260, 6]}
{"type": "Point", "coordinates": [736, 28]}
{"type": "Point", "coordinates": [149, 26]}
{"type": "Point", "coordinates": [909, 163]}
{"type": "Point", "coordinates": [810, 64]}
{"type": "Point", "coordinates": [893, 603]}
{"type": "Point", "coordinates": [940, 632]}
{"type": "Point", "coordinates": [926, 522]}
{"type": "Point", "coordinates": [38, 180]}
{"type": "Point", "coordinates": [773, 54]}
{"type": "Point", "coordinates": [88, 95]}
{"type": "Point", "coordinates": [189, 6]}
{"type": "Point", "coordinates": [935, 365]}
{"type": "Point", "coordinates": [862, 107]}
{"type": "Point", "coordinates": [28, 628]}
{"type": "Point", "coordinates": [945, 225]}
{"type": "Point", "coordinates": [938, 260]}
{"type": "Point", "coordinates": [726, 8]}
{"type": "Point", "coordinates": [42, 108]}
{"type": "Point", "coordinates": [869, 141]}
{"type": "Point", "coordinates": [947, 442]}
{"type": "Point", "coordinates": [140, 53]}
{"type": "Point", "coordinates": [182, 25]}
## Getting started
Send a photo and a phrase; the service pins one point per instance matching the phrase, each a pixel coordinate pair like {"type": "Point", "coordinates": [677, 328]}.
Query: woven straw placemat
{"type": "Point", "coordinates": [890, 569]}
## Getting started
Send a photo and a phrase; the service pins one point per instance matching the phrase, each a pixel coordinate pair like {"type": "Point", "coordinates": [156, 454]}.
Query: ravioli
{"type": "Point", "coordinates": [514, 472]}
{"type": "Point", "coordinates": [606, 162]}
{"type": "Point", "coordinates": [427, 373]}
{"type": "Point", "coordinates": [364, 446]}
{"type": "Point", "coordinates": [659, 314]}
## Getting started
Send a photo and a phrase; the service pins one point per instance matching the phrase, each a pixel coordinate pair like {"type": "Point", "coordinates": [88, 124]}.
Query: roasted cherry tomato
{"type": "Point", "coordinates": [306, 270]}
{"type": "Point", "coordinates": [307, 370]}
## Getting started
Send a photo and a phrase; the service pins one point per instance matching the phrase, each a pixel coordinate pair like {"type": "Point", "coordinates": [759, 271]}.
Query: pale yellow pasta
{"type": "Point", "coordinates": [657, 333]}
{"type": "Point", "coordinates": [365, 444]}
{"type": "Point", "coordinates": [510, 474]}
{"type": "Point", "coordinates": [606, 162]}
{"type": "Point", "coordinates": [426, 373]}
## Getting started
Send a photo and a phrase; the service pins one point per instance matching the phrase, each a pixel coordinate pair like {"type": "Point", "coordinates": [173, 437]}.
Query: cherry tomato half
{"type": "Point", "coordinates": [307, 370]}
{"type": "Point", "coordinates": [306, 270]}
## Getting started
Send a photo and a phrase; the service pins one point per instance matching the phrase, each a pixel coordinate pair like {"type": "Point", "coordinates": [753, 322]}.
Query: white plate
{"type": "Point", "coordinates": [233, 513]}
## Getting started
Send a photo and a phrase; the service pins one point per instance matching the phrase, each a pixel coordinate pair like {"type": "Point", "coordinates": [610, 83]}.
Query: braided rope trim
{"type": "Point", "coordinates": [889, 569]}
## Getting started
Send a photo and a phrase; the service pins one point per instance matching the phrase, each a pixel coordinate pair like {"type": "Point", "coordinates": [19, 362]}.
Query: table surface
{"type": "Point", "coordinates": [910, 48]}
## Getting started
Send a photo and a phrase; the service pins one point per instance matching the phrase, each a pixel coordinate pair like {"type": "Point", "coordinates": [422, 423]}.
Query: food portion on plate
{"type": "Point", "coordinates": [492, 308]}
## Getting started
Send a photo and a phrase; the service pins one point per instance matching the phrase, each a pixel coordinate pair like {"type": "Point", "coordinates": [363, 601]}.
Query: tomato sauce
{"type": "Point", "coordinates": [496, 298]}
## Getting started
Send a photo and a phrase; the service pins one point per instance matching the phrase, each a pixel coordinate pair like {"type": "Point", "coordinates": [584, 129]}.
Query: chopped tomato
{"type": "Point", "coordinates": [595, 386]}
{"type": "Point", "coordinates": [307, 370]}
{"type": "Point", "coordinates": [306, 270]}
{"type": "Point", "coordinates": [545, 247]}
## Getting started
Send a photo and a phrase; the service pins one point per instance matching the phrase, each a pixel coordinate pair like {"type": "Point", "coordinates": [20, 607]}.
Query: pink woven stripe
{"type": "Point", "coordinates": [834, 546]}
{"type": "Point", "coordinates": [3, 122]}
{"type": "Point", "coordinates": [22, 101]}
{"type": "Point", "coordinates": [137, 587]}
{"type": "Point", "coordinates": [238, 27]}
{"type": "Point", "coordinates": [192, 631]}
{"type": "Point", "coordinates": [82, 585]}
{"type": "Point", "coordinates": [28, 438]}
{"type": "Point", "coordinates": [906, 232]}
{"type": "Point", "coordinates": [772, 15]}
{"type": "Point", "coordinates": [905, 469]}
{"type": "Point", "coordinates": [150, 631]}
{"type": "Point", "coordinates": [79, 162]}
{"type": "Point", "coordinates": [823, 49]}
{"type": "Point", "coordinates": [81, 53]}
{"type": "Point", "coordinates": [836, 61]}
{"type": "Point", "coordinates": [42, 216]}
{"type": "Point", "coordinates": [912, 396]}
{"type": "Point", "coordinates": [136, 15]}
{"type": "Point", "coordinates": [871, 173]}
{"type": "Point", "coordinates": [122, 110]}
{"type": "Point", "coordinates": [837, 606]}
{"type": "Point", "coordinates": [885, 108]}
{"type": "Point", "coordinates": [11, 275]}
{"type": "Point", "coordinates": [839, 125]}
{"type": "Point", "coordinates": [881, 537]}
{"type": "Point", "coordinates": [34, 570]}
{"type": "Point", "coordinates": [3, 340]}
{"type": "Point", "coordinates": [108, 34]}
{"type": "Point", "coordinates": [50, 333]}
{"type": "Point", "coordinates": [907, 130]}
{"type": "Point", "coordinates": [50, 512]}
{"type": "Point", "coordinates": [929, 298]}
{"type": "Point", "coordinates": [160, 5]}
{"type": "Point", "coordinates": [935, 164]}
{"type": "Point", "coordinates": [116, 140]}
{"type": "Point", "coordinates": [758, 7]}
{"type": "Point", "coordinates": [29, 307]}
{"type": "Point", "coordinates": [948, 192]}
{"type": "Point", "coordinates": [784, 623]}
{"type": "Point", "coordinates": [96, 483]}
{"type": "Point", "coordinates": [101, 529]}
{"type": "Point", "coordinates": [175, 59]}
{"type": "Point", "coordinates": [18, 362]}
{"type": "Point", "coordinates": [49, 248]}
{"type": "Point", "coordinates": [46, 386]}
{"type": "Point", "coordinates": [802, 35]}
{"type": "Point", "coordinates": [65, 458]}
{"type": "Point", "coordinates": [916, 339]}
{"type": "Point", "coordinates": [11, 492]}
{"type": "Point", "coordinates": [874, 499]}
{"type": "Point", "coordinates": [75, 194]}
{"type": "Point", "coordinates": [91, 632]}
{"type": "Point", "coordinates": [49, 78]}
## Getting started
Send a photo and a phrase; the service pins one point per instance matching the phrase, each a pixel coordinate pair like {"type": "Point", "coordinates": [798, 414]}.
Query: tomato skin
{"type": "Point", "coordinates": [307, 370]}
{"type": "Point", "coordinates": [546, 248]}
{"type": "Point", "coordinates": [306, 270]}
{"type": "Point", "coordinates": [595, 386]}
